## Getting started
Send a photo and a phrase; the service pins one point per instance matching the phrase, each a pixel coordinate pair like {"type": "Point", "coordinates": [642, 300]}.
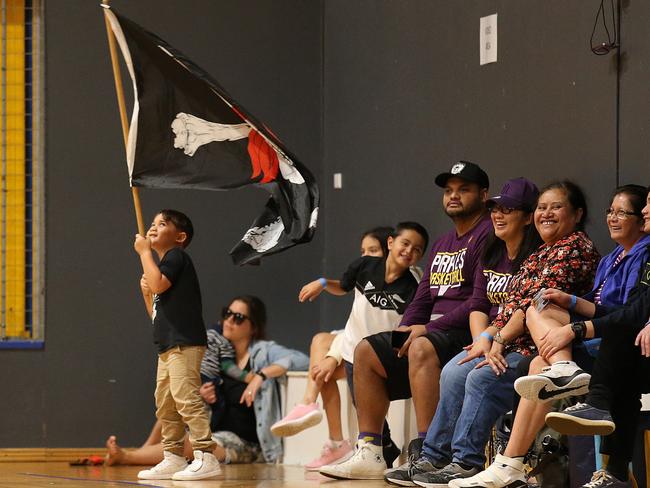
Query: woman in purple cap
{"type": "Point", "coordinates": [472, 396]}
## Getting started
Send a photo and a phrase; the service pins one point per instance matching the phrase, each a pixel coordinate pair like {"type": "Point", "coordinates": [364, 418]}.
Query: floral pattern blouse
{"type": "Point", "coordinates": [568, 265]}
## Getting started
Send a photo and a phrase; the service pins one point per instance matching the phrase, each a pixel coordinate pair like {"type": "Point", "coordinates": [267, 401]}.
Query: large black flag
{"type": "Point", "coordinates": [187, 132]}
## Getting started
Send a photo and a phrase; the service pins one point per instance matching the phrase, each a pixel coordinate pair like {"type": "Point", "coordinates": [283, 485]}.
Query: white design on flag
{"type": "Point", "coordinates": [193, 132]}
{"type": "Point", "coordinates": [264, 238]}
{"type": "Point", "coordinates": [289, 172]}
{"type": "Point", "coordinates": [457, 168]}
{"type": "Point", "coordinates": [314, 217]}
{"type": "Point", "coordinates": [369, 286]}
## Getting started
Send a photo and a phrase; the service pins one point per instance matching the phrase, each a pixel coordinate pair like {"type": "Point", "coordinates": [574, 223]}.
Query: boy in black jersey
{"type": "Point", "coordinates": [173, 300]}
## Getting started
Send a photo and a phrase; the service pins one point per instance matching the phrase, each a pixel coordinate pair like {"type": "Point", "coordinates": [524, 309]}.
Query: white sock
{"type": "Point", "coordinates": [334, 444]}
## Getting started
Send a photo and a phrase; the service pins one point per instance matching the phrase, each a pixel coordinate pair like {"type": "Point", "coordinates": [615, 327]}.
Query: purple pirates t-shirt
{"type": "Point", "coordinates": [448, 282]}
{"type": "Point", "coordinates": [491, 288]}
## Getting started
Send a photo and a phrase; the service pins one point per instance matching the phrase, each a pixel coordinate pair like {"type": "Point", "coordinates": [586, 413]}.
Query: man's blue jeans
{"type": "Point", "coordinates": [471, 401]}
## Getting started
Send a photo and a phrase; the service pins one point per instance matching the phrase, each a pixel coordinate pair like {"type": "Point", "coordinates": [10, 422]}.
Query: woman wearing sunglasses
{"type": "Point", "coordinates": [249, 405]}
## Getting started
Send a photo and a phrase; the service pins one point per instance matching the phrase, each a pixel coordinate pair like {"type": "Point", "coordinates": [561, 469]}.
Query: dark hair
{"type": "Point", "coordinates": [380, 233]}
{"type": "Point", "coordinates": [256, 314]}
{"type": "Point", "coordinates": [574, 194]}
{"type": "Point", "coordinates": [495, 249]}
{"type": "Point", "coordinates": [414, 226]}
{"type": "Point", "coordinates": [181, 221]}
{"type": "Point", "coordinates": [637, 195]}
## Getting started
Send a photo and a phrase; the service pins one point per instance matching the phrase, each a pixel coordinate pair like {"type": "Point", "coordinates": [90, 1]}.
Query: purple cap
{"type": "Point", "coordinates": [518, 193]}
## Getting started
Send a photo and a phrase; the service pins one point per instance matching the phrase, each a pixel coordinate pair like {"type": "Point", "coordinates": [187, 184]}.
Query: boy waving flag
{"type": "Point", "coordinates": [187, 132]}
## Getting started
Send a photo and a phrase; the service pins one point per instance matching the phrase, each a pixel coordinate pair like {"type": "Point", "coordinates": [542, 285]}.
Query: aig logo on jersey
{"type": "Point", "coordinates": [385, 301]}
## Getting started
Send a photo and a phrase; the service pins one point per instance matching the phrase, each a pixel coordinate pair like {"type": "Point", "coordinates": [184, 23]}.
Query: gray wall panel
{"type": "Point", "coordinates": [388, 93]}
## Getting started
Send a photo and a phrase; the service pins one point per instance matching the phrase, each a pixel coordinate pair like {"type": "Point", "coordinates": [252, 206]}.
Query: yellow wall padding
{"type": "Point", "coordinates": [13, 127]}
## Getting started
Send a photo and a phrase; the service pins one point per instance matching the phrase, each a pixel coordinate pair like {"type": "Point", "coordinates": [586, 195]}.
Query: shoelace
{"type": "Point", "coordinates": [598, 478]}
{"type": "Point", "coordinates": [577, 406]}
{"type": "Point", "coordinates": [419, 466]}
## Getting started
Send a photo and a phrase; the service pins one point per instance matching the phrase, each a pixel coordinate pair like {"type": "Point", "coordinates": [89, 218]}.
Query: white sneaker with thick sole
{"type": "Point", "coordinates": [367, 463]}
{"type": "Point", "coordinates": [204, 466]}
{"type": "Point", "coordinates": [562, 379]}
{"type": "Point", "coordinates": [165, 469]}
{"type": "Point", "coordinates": [504, 472]}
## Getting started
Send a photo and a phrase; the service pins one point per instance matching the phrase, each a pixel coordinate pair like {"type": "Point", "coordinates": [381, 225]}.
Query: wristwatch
{"type": "Point", "coordinates": [498, 339]}
{"type": "Point", "coordinates": [579, 329]}
{"type": "Point", "coordinates": [261, 373]}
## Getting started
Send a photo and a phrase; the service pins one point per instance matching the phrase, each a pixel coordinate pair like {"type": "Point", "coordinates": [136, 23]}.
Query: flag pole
{"type": "Point", "coordinates": [122, 106]}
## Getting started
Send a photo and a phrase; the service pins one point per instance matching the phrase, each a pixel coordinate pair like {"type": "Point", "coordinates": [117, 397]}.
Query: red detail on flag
{"type": "Point", "coordinates": [263, 157]}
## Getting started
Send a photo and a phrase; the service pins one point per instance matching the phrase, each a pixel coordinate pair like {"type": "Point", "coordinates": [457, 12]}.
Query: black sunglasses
{"type": "Point", "coordinates": [237, 317]}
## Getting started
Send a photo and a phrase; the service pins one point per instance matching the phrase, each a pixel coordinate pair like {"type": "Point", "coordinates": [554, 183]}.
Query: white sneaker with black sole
{"type": "Point", "coordinates": [204, 466]}
{"type": "Point", "coordinates": [504, 472]}
{"type": "Point", "coordinates": [165, 469]}
{"type": "Point", "coordinates": [367, 463]}
{"type": "Point", "coordinates": [562, 379]}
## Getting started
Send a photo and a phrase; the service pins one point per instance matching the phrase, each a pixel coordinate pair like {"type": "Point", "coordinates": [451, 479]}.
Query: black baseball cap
{"type": "Point", "coordinates": [467, 171]}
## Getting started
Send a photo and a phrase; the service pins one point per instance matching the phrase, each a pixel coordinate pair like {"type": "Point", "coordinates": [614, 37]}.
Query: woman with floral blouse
{"type": "Point", "coordinates": [473, 397]}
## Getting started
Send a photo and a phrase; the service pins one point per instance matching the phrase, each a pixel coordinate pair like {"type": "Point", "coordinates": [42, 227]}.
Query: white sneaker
{"type": "Point", "coordinates": [165, 469]}
{"type": "Point", "coordinates": [504, 472]}
{"type": "Point", "coordinates": [204, 466]}
{"type": "Point", "coordinates": [367, 463]}
{"type": "Point", "coordinates": [560, 380]}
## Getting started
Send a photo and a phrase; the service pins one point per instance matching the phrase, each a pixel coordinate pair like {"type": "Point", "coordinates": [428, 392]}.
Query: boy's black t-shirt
{"type": "Point", "coordinates": [178, 313]}
{"type": "Point", "coordinates": [378, 306]}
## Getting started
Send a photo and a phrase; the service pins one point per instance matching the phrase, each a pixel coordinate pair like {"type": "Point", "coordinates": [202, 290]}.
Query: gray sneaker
{"type": "Point", "coordinates": [602, 479]}
{"type": "Point", "coordinates": [402, 475]}
{"type": "Point", "coordinates": [442, 477]}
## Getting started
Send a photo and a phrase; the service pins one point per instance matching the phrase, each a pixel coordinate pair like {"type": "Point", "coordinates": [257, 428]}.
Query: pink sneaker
{"type": "Point", "coordinates": [331, 455]}
{"type": "Point", "coordinates": [300, 418]}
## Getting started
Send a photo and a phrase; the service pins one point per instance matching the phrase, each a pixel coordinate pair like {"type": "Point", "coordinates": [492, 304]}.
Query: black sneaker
{"type": "Point", "coordinates": [402, 475]}
{"type": "Point", "coordinates": [602, 479]}
{"type": "Point", "coordinates": [581, 419]}
{"type": "Point", "coordinates": [390, 452]}
{"type": "Point", "coordinates": [442, 477]}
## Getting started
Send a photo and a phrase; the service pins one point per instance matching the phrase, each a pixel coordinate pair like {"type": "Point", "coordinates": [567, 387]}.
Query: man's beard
{"type": "Point", "coordinates": [468, 210]}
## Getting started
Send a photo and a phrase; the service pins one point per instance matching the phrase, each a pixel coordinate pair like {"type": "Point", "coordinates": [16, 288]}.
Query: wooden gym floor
{"type": "Point", "coordinates": [61, 474]}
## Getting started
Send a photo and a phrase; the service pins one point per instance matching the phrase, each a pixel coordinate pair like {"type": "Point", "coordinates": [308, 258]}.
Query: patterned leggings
{"type": "Point", "coordinates": [238, 450]}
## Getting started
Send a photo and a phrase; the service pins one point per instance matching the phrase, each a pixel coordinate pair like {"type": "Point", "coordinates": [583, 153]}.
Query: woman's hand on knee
{"type": "Point", "coordinates": [480, 348]}
{"type": "Point", "coordinates": [248, 397]}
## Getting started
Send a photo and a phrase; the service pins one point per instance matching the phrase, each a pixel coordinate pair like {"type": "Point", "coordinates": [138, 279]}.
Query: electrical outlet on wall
{"type": "Point", "coordinates": [488, 39]}
{"type": "Point", "coordinates": [338, 181]}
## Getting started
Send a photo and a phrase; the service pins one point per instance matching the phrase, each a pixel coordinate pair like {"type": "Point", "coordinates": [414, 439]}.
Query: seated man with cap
{"type": "Point", "coordinates": [437, 323]}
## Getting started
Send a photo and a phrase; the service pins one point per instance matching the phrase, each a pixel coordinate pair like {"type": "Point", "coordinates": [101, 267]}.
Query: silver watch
{"type": "Point", "coordinates": [498, 339]}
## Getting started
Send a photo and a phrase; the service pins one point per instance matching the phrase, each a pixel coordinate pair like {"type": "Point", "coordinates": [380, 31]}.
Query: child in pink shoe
{"type": "Point", "coordinates": [384, 285]}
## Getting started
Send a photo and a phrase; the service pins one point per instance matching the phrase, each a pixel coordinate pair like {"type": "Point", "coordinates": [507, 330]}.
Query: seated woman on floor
{"type": "Point", "coordinates": [242, 433]}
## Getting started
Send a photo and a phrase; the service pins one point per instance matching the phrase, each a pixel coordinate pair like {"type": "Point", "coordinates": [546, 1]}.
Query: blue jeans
{"type": "Point", "coordinates": [471, 401]}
